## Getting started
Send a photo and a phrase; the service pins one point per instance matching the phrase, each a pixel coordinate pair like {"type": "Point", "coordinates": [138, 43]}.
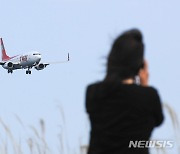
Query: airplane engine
{"type": "Point", "coordinates": [40, 66]}
{"type": "Point", "coordinates": [9, 65]}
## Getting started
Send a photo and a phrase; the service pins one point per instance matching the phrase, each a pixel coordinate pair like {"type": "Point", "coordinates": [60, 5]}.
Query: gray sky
{"type": "Point", "coordinates": [85, 29]}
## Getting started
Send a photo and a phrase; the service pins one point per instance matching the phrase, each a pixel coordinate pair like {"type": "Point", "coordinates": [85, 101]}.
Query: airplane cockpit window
{"type": "Point", "coordinates": [36, 54]}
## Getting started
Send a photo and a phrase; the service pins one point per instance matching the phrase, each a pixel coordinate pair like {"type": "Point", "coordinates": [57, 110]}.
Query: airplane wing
{"type": "Point", "coordinates": [41, 66]}
{"type": "Point", "coordinates": [2, 63]}
{"type": "Point", "coordinates": [15, 65]}
{"type": "Point", "coordinates": [58, 62]}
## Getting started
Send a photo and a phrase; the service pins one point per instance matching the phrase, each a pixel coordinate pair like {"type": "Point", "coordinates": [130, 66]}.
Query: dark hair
{"type": "Point", "coordinates": [126, 56]}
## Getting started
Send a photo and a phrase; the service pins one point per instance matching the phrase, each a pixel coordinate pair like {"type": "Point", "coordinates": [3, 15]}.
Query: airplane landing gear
{"type": "Point", "coordinates": [10, 71]}
{"type": "Point", "coordinates": [28, 72]}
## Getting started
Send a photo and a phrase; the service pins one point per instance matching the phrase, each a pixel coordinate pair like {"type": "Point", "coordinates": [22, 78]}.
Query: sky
{"type": "Point", "coordinates": [86, 29]}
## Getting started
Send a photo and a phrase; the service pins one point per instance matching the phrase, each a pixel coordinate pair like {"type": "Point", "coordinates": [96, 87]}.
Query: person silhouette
{"type": "Point", "coordinates": [123, 107]}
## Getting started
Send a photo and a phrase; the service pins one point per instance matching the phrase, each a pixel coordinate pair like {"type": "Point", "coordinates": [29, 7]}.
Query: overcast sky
{"type": "Point", "coordinates": [85, 29]}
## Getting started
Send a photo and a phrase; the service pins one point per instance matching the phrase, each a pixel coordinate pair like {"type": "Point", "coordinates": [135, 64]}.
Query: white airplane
{"type": "Point", "coordinates": [24, 61]}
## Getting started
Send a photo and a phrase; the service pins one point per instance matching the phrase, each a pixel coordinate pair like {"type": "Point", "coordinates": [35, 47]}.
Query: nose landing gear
{"type": "Point", "coordinates": [28, 71]}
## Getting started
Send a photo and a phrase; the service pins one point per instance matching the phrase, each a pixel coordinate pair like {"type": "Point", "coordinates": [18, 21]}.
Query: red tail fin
{"type": "Point", "coordinates": [3, 51]}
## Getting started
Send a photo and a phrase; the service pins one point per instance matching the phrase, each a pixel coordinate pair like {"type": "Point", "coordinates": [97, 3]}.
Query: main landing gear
{"type": "Point", "coordinates": [10, 71]}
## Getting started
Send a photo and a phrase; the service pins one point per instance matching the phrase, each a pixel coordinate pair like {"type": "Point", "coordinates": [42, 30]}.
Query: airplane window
{"type": "Point", "coordinates": [36, 54]}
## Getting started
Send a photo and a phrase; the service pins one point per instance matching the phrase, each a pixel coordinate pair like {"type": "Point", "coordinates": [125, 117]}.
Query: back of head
{"type": "Point", "coordinates": [126, 56]}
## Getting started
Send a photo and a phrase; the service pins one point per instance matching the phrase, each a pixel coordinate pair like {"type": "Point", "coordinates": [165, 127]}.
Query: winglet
{"type": "Point", "coordinates": [68, 57]}
{"type": "Point", "coordinates": [3, 51]}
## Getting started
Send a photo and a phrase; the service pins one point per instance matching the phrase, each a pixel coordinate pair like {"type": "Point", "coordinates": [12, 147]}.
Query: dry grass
{"type": "Point", "coordinates": [37, 144]}
{"type": "Point", "coordinates": [176, 129]}
{"type": "Point", "coordinates": [175, 124]}
{"type": "Point", "coordinates": [33, 144]}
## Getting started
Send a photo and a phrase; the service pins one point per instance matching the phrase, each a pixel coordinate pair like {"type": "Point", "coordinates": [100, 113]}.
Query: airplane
{"type": "Point", "coordinates": [24, 61]}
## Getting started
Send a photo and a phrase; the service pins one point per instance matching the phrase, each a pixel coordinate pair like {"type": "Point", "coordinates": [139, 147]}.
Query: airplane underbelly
{"type": "Point", "coordinates": [27, 63]}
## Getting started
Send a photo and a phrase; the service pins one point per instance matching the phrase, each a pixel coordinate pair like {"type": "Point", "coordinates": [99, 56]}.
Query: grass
{"type": "Point", "coordinates": [176, 129]}
{"type": "Point", "coordinates": [37, 143]}
{"type": "Point", "coordinates": [34, 142]}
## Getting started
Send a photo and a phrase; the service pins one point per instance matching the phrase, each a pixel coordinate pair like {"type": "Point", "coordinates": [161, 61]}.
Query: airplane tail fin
{"type": "Point", "coordinates": [3, 52]}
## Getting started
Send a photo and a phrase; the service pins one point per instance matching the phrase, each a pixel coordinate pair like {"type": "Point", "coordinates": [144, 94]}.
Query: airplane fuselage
{"type": "Point", "coordinates": [23, 61]}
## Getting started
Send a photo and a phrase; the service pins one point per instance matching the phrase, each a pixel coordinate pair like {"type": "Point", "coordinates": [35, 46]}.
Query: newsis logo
{"type": "Point", "coordinates": [151, 144]}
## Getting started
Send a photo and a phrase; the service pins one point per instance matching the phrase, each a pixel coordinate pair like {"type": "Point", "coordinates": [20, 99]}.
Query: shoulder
{"type": "Point", "coordinates": [151, 90]}
{"type": "Point", "coordinates": [92, 86]}
{"type": "Point", "coordinates": [99, 86]}
{"type": "Point", "coordinates": [149, 94]}
{"type": "Point", "coordinates": [146, 89]}
{"type": "Point", "coordinates": [95, 87]}
{"type": "Point", "coordinates": [138, 92]}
